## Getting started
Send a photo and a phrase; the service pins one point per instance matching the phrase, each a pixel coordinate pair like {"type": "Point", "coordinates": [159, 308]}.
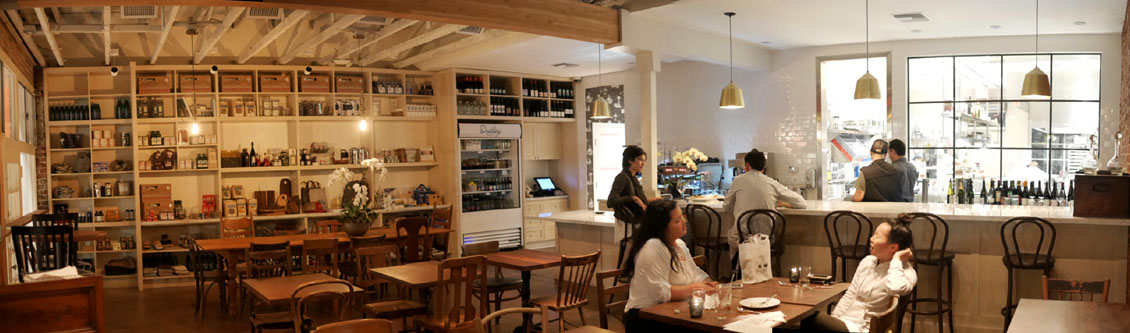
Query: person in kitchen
{"type": "Point", "coordinates": [754, 190]}
{"type": "Point", "coordinates": [897, 154]}
{"type": "Point", "coordinates": [880, 181]}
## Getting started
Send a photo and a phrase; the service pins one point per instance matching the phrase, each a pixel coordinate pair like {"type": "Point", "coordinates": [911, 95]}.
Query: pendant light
{"type": "Point", "coordinates": [193, 129]}
{"type": "Point", "coordinates": [600, 108]}
{"type": "Point", "coordinates": [362, 125]}
{"type": "Point", "coordinates": [731, 94]}
{"type": "Point", "coordinates": [1036, 83]}
{"type": "Point", "coordinates": [867, 87]}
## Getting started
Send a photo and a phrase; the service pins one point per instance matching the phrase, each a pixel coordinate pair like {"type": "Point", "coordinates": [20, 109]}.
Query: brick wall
{"type": "Point", "coordinates": [17, 54]}
{"type": "Point", "coordinates": [1124, 94]}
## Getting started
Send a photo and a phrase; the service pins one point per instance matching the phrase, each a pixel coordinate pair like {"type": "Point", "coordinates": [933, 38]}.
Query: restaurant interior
{"type": "Point", "coordinates": [463, 166]}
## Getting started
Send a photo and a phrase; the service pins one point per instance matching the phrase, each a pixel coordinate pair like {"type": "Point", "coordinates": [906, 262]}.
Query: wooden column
{"type": "Point", "coordinates": [647, 65]}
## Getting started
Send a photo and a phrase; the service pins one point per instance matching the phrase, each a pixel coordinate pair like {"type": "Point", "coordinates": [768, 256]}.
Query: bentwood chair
{"type": "Point", "coordinates": [700, 261]}
{"type": "Point", "coordinates": [769, 221]}
{"type": "Point", "coordinates": [376, 257]}
{"type": "Point", "coordinates": [629, 229]}
{"type": "Point", "coordinates": [412, 237]}
{"type": "Point", "coordinates": [357, 326]}
{"type": "Point", "coordinates": [40, 249]}
{"type": "Point", "coordinates": [1018, 236]}
{"type": "Point", "coordinates": [237, 227]}
{"type": "Point", "coordinates": [327, 226]}
{"type": "Point", "coordinates": [572, 287]}
{"type": "Point", "coordinates": [207, 272]}
{"type": "Point", "coordinates": [884, 322]}
{"type": "Point", "coordinates": [1076, 290]}
{"type": "Point", "coordinates": [849, 235]}
{"type": "Point", "coordinates": [337, 292]}
{"type": "Point", "coordinates": [453, 304]}
{"type": "Point", "coordinates": [706, 226]}
{"type": "Point", "coordinates": [497, 284]}
{"type": "Point", "coordinates": [930, 227]}
{"type": "Point", "coordinates": [610, 293]}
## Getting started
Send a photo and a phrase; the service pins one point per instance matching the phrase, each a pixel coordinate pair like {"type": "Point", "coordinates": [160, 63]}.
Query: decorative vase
{"type": "Point", "coordinates": [356, 229]}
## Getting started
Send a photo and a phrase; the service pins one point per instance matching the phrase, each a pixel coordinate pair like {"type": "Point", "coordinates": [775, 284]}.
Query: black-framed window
{"type": "Point", "coordinates": [966, 118]}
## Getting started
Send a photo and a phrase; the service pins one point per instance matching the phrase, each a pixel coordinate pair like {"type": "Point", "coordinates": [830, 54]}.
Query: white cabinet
{"type": "Point", "coordinates": [541, 141]}
{"type": "Point", "coordinates": [538, 230]}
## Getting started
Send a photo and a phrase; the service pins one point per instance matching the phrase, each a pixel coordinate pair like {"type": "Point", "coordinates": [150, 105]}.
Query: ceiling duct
{"type": "Point", "coordinates": [257, 13]}
{"type": "Point", "coordinates": [373, 20]}
{"type": "Point", "coordinates": [911, 17]}
{"type": "Point", "coordinates": [471, 30]}
{"type": "Point", "coordinates": [139, 12]}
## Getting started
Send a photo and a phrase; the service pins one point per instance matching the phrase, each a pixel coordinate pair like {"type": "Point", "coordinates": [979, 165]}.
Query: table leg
{"type": "Point", "coordinates": [233, 289]}
{"type": "Point", "coordinates": [526, 297]}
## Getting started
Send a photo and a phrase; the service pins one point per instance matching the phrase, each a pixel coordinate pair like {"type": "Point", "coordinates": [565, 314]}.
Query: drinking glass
{"type": "Point", "coordinates": [697, 302]}
{"type": "Point", "coordinates": [794, 274]}
{"type": "Point", "coordinates": [725, 297]}
{"type": "Point", "coordinates": [805, 271]}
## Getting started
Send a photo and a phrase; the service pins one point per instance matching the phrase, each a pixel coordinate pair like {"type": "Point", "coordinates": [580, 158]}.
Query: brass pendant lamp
{"type": "Point", "coordinates": [1036, 83]}
{"type": "Point", "coordinates": [600, 108]}
{"type": "Point", "coordinates": [731, 94]}
{"type": "Point", "coordinates": [867, 87]}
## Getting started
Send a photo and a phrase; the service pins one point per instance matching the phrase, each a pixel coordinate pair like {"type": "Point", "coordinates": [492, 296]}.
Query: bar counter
{"type": "Point", "coordinates": [1085, 249]}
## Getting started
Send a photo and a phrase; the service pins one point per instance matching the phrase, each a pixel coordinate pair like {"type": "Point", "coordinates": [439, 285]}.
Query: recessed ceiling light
{"type": "Point", "coordinates": [916, 31]}
{"type": "Point", "coordinates": [1080, 23]}
{"type": "Point", "coordinates": [994, 26]}
{"type": "Point", "coordinates": [766, 42]}
{"type": "Point", "coordinates": [564, 65]}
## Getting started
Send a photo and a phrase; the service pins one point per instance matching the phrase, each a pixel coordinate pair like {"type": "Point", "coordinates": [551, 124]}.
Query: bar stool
{"type": "Point", "coordinates": [706, 224]}
{"type": "Point", "coordinates": [1016, 258]}
{"type": "Point", "coordinates": [629, 229]}
{"type": "Point", "coordinates": [856, 246]}
{"type": "Point", "coordinates": [776, 232]}
{"type": "Point", "coordinates": [933, 255]}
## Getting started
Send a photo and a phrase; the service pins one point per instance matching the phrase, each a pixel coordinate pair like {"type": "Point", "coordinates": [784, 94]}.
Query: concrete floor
{"type": "Point", "coordinates": [170, 310]}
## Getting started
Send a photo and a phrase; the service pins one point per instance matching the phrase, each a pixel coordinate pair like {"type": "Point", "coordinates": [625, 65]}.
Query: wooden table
{"type": "Point", "coordinates": [1037, 315]}
{"type": "Point", "coordinates": [524, 261]}
{"type": "Point", "coordinates": [231, 249]}
{"type": "Point", "coordinates": [416, 275]}
{"type": "Point", "coordinates": [796, 304]}
{"type": "Point", "coordinates": [277, 291]}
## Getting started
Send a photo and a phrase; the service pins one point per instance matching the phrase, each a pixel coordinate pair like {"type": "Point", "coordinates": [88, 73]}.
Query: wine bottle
{"type": "Point", "coordinates": [949, 192]}
{"type": "Point", "coordinates": [244, 158]}
{"type": "Point", "coordinates": [984, 192]}
{"type": "Point", "coordinates": [961, 191]}
{"type": "Point", "coordinates": [253, 158]}
{"type": "Point", "coordinates": [1071, 195]}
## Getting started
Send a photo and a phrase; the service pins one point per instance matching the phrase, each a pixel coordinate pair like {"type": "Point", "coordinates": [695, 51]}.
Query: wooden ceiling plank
{"type": "Point", "coordinates": [106, 32]}
{"type": "Point", "coordinates": [412, 42]}
{"type": "Point", "coordinates": [18, 21]}
{"type": "Point", "coordinates": [46, 25]}
{"type": "Point", "coordinates": [289, 22]}
{"type": "Point", "coordinates": [329, 31]}
{"type": "Point", "coordinates": [169, 18]}
{"type": "Point", "coordinates": [388, 30]}
{"type": "Point", "coordinates": [449, 48]}
{"type": "Point", "coordinates": [217, 32]}
{"type": "Point", "coordinates": [98, 28]}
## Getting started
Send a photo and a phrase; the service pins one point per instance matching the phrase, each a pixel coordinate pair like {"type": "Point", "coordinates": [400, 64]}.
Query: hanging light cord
{"type": "Point", "coordinates": [731, 17]}
{"type": "Point", "coordinates": [192, 59]}
{"type": "Point", "coordinates": [867, 33]}
{"type": "Point", "coordinates": [1037, 31]}
{"type": "Point", "coordinates": [599, 67]}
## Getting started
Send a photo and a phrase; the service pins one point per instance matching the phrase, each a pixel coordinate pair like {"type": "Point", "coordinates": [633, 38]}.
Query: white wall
{"type": "Point", "coordinates": [780, 113]}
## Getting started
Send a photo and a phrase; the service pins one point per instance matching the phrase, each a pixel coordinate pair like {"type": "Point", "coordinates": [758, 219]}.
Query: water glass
{"type": "Point", "coordinates": [697, 302]}
{"type": "Point", "coordinates": [725, 297]}
{"type": "Point", "coordinates": [805, 271]}
{"type": "Point", "coordinates": [794, 274]}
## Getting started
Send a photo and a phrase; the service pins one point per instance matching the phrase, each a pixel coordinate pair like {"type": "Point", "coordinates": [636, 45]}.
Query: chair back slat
{"type": "Point", "coordinates": [927, 226]}
{"type": "Point", "coordinates": [327, 226]}
{"type": "Point", "coordinates": [441, 218]}
{"type": "Point", "coordinates": [705, 223]}
{"type": "Point", "coordinates": [320, 255]}
{"type": "Point", "coordinates": [367, 258]}
{"type": "Point", "coordinates": [412, 236]}
{"type": "Point", "coordinates": [334, 291]}
{"type": "Point", "coordinates": [1076, 290]}
{"type": "Point", "coordinates": [857, 228]}
{"type": "Point", "coordinates": [267, 260]}
{"type": "Point", "coordinates": [1020, 230]}
{"type": "Point", "coordinates": [237, 227]}
{"type": "Point", "coordinates": [606, 296]}
{"type": "Point", "coordinates": [41, 249]}
{"type": "Point", "coordinates": [573, 280]}
{"type": "Point", "coordinates": [454, 303]}
{"type": "Point", "coordinates": [766, 221]}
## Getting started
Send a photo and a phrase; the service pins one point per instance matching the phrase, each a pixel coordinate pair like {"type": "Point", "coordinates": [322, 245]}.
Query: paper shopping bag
{"type": "Point", "coordinates": [754, 257]}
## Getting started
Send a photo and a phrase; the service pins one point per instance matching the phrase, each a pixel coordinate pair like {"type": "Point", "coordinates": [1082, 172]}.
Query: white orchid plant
{"type": "Point", "coordinates": [690, 158]}
{"type": "Point", "coordinates": [360, 208]}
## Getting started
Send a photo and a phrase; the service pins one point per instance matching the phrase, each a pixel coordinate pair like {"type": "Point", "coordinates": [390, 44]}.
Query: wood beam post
{"type": "Point", "coordinates": [289, 22]}
{"type": "Point", "coordinates": [329, 31]}
{"type": "Point", "coordinates": [412, 42]}
{"type": "Point", "coordinates": [46, 25]}
{"type": "Point", "coordinates": [169, 17]}
{"type": "Point", "coordinates": [229, 19]}
{"type": "Point", "coordinates": [388, 30]}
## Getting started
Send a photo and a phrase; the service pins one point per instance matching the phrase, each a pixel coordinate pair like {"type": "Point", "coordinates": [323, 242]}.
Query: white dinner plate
{"type": "Point", "coordinates": [760, 302]}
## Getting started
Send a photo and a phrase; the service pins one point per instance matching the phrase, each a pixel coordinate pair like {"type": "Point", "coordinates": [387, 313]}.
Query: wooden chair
{"type": "Point", "coordinates": [207, 272]}
{"type": "Point", "coordinates": [40, 249]}
{"type": "Point", "coordinates": [357, 326]}
{"type": "Point", "coordinates": [483, 325]}
{"type": "Point", "coordinates": [267, 261]}
{"type": "Point", "coordinates": [47, 220]}
{"type": "Point", "coordinates": [383, 256]}
{"type": "Point", "coordinates": [884, 322]}
{"type": "Point", "coordinates": [572, 287]}
{"type": "Point", "coordinates": [320, 255]}
{"type": "Point", "coordinates": [498, 284]}
{"type": "Point", "coordinates": [700, 261]}
{"type": "Point", "coordinates": [706, 225]}
{"type": "Point", "coordinates": [412, 237]}
{"type": "Point", "coordinates": [1075, 290]}
{"type": "Point", "coordinates": [610, 293]}
{"type": "Point", "coordinates": [348, 266]}
{"type": "Point", "coordinates": [453, 302]}
{"type": "Point", "coordinates": [441, 218]}
{"type": "Point", "coordinates": [317, 291]}
{"type": "Point", "coordinates": [237, 227]}
{"type": "Point", "coordinates": [327, 226]}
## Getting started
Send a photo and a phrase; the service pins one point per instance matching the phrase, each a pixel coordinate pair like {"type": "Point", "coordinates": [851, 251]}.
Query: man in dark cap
{"type": "Point", "coordinates": [879, 181]}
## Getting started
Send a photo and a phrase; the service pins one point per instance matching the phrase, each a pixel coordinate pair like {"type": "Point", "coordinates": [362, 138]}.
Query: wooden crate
{"type": "Point", "coordinates": [349, 84]}
{"type": "Point", "coordinates": [314, 83]}
{"type": "Point", "coordinates": [274, 83]}
{"type": "Point", "coordinates": [201, 83]}
{"type": "Point", "coordinates": [237, 83]}
{"type": "Point", "coordinates": [1102, 196]}
{"type": "Point", "coordinates": [154, 83]}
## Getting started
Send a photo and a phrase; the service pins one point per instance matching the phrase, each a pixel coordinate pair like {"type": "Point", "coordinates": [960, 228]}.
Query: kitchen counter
{"type": "Point", "coordinates": [585, 217]}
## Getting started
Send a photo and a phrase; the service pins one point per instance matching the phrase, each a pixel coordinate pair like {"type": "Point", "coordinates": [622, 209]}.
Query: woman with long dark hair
{"type": "Point", "coordinates": [659, 264]}
{"type": "Point", "coordinates": [627, 198]}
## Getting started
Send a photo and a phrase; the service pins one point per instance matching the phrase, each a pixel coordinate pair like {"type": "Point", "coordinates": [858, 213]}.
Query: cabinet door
{"type": "Point", "coordinates": [549, 232]}
{"type": "Point", "coordinates": [529, 145]}
{"type": "Point", "coordinates": [555, 206]}
{"type": "Point", "coordinates": [548, 142]}
{"type": "Point", "coordinates": [533, 236]}
{"type": "Point", "coordinates": [532, 208]}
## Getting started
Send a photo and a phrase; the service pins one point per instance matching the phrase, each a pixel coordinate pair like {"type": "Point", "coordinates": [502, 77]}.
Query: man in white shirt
{"type": "Point", "coordinates": [755, 190]}
{"type": "Point", "coordinates": [885, 273]}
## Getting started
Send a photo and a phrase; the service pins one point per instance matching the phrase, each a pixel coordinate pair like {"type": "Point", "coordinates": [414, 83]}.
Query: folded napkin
{"type": "Point", "coordinates": [68, 272]}
{"type": "Point", "coordinates": [756, 323]}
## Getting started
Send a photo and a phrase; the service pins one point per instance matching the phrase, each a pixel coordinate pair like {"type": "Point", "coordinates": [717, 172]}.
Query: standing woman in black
{"type": "Point", "coordinates": [627, 196]}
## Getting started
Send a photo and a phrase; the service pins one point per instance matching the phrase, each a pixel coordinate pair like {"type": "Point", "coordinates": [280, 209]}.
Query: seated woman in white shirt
{"type": "Point", "coordinates": [885, 273]}
{"type": "Point", "coordinates": [659, 264]}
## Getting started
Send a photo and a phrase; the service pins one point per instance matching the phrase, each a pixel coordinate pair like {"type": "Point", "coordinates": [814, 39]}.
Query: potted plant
{"type": "Point", "coordinates": [357, 212]}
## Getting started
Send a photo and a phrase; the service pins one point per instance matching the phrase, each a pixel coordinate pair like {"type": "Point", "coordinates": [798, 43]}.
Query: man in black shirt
{"type": "Point", "coordinates": [879, 181]}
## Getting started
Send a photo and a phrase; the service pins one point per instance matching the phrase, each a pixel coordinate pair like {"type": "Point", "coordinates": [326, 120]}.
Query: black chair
{"type": "Point", "coordinates": [47, 220]}
{"type": "Point", "coordinates": [934, 228]}
{"type": "Point", "coordinates": [629, 229]}
{"type": "Point", "coordinates": [855, 246]}
{"type": "Point", "coordinates": [40, 249]}
{"type": "Point", "coordinates": [207, 272]}
{"type": "Point", "coordinates": [706, 226]}
{"type": "Point", "coordinates": [1016, 258]}
{"type": "Point", "coordinates": [776, 230]}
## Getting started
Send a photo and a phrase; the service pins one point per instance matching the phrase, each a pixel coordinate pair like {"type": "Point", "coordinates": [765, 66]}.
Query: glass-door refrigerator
{"type": "Point", "coordinates": [491, 183]}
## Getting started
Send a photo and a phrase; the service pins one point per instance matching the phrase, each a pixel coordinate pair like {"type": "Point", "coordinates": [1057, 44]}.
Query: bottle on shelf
{"type": "Point", "coordinates": [1071, 195]}
{"type": "Point", "coordinates": [245, 158]}
{"type": "Point", "coordinates": [984, 193]}
{"type": "Point", "coordinates": [253, 158]}
{"type": "Point", "coordinates": [949, 193]}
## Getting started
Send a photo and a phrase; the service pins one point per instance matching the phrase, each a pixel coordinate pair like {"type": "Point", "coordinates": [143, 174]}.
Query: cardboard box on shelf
{"type": "Point", "coordinates": [274, 82]}
{"type": "Point", "coordinates": [201, 83]}
{"type": "Point", "coordinates": [156, 198]}
{"type": "Point", "coordinates": [154, 83]}
{"type": "Point", "coordinates": [349, 84]}
{"type": "Point", "coordinates": [235, 83]}
{"type": "Point", "coordinates": [315, 83]}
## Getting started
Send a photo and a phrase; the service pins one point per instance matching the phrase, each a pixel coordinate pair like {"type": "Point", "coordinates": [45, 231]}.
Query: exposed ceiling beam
{"type": "Point", "coordinates": [106, 32]}
{"type": "Point", "coordinates": [327, 32]}
{"type": "Point", "coordinates": [169, 17]}
{"type": "Point", "coordinates": [98, 28]}
{"type": "Point", "coordinates": [486, 47]}
{"type": "Point", "coordinates": [559, 18]}
{"type": "Point", "coordinates": [449, 48]}
{"type": "Point", "coordinates": [217, 32]}
{"type": "Point", "coordinates": [42, 16]}
{"type": "Point", "coordinates": [277, 31]}
{"type": "Point", "coordinates": [18, 21]}
{"type": "Point", "coordinates": [388, 30]}
{"type": "Point", "coordinates": [412, 42]}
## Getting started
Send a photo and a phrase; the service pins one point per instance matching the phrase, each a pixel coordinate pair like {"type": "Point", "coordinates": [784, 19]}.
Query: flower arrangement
{"type": "Point", "coordinates": [690, 157]}
{"type": "Point", "coordinates": [360, 209]}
